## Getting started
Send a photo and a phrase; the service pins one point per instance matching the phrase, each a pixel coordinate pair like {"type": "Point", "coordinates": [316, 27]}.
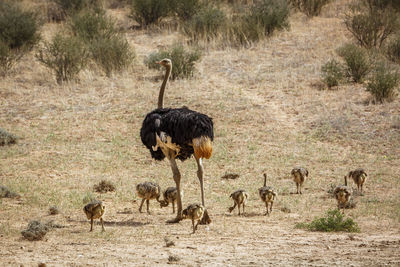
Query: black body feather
{"type": "Point", "coordinates": [181, 124]}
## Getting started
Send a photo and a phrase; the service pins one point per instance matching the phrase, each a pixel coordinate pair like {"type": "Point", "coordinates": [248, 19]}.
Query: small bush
{"type": "Point", "coordinates": [309, 7]}
{"type": "Point", "coordinates": [112, 54]}
{"type": "Point", "coordinates": [186, 9]}
{"type": "Point", "coordinates": [206, 24]}
{"type": "Point", "coordinates": [90, 25]}
{"type": "Point", "coordinates": [383, 84]}
{"type": "Point", "coordinates": [18, 28]}
{"type": "Point", "coordinates": [332, 73]}
{"type": "Point", "coordinates": [262, 19]}
{"type": "Point", "coordinates": [357, 62]}
{"type": "Point", "coordinates": [104, 187]}
{"type": "Point", "coordinates": [7, 138]}
{"type": "Point", "coordinates": [333, 222]}
{"type": "Point", "coordinates": [371, 26]}
{"type": "Point", "coordinates": [147, 12]}
{"type": "Point", "coordinates": [65, 55]}
{"type": "Point", "coordinates": [182, 61]}
{"type": "Point", "coordinates": [393, 50]}
{"type": "Point", "coordinates": [72, 7]}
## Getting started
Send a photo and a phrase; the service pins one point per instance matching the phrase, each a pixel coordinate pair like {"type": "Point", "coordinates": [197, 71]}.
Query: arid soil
{"type": "Point", "coordinates": [270, 116]}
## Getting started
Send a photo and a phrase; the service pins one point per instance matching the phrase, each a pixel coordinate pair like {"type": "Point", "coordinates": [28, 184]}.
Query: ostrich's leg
{"type": "Point", "coordinates": [200, 172]}
{"type": "Point", "coordinates": [102, 224]}
{"type": "Point", "coordinates": [148, 206]}
{"type": "Point", "coordinates": [141, 205]}
{"type": "Point", "coordinates": [177, 179]}
{"type": "Point", "coordinates": [173, 207]}
{"type": "Point", "coordinates": [91, 224]}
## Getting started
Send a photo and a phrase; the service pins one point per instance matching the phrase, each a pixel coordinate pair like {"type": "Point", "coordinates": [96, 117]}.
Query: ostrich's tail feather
{"type": "Point", "coordinates": [202, 147]}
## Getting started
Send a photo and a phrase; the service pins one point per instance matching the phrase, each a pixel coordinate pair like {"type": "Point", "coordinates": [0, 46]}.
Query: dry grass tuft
{"type": "Point", "coordinates": [104, 186]}
{"type": "Point", "coordinates": [35, 231]}
{"type": "Point", "coordinates": [7, 138]}
{"type": "Point", "coordinates": [7, 193]}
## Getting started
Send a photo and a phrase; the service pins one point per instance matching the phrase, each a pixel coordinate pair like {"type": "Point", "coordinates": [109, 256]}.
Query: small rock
{"type": "Point", "coordinates": [53, 210]}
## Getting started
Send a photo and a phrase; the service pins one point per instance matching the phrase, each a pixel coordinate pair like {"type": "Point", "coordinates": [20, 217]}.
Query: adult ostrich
{"type": "Point", "coordinates": [177, 133]}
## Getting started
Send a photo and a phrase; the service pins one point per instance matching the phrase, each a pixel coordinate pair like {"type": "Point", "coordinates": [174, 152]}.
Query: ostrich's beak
{"type": "Point", "coordinates": [158, 62]}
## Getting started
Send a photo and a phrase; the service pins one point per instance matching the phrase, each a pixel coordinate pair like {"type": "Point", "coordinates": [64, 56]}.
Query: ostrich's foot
{"type": "Point", "coordinates": [175, 220]}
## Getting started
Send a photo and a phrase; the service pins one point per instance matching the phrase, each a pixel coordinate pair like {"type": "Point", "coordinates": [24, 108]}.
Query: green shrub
{"type": "Point", "coordinates": [309, 7]}
{"type": "Point", "coordinates": [333, 222]}
{"type": "Point", "coordinates": [383, 84]}
{"type": "Point", "coordinates": [72, 7]}
{"type": "Point", "coordinates": [393, 49]}
{"type": "Point", "coordinates": [147, 12]}
{"type": "Point", "coordinates": [332, 73]}
{"type": "Point", "coordinates": [186, 9]}
{"type": "Point", "coordinates": [182, 61]}
{"type": "Point", "coordinates": [371, 26]}
{"type": "Point", "coordinates": [206, 24]}
{"type": "Point", "coordinates": [357, 62]}
{"type": "Point", "coordinates": [90, 25]}
{"type": "Point", "coordinates": [112, 54]}
{"type": "Point", "coordinates": [261, 20]}
{"type": "Point", "coordinates": [65, 55]}
{"type": "Point", "coordinates": [109, 49]}
{"type": "Point", "coordinates": [271, 15]}
{"type": "Point", "coordinates": [18, 28]}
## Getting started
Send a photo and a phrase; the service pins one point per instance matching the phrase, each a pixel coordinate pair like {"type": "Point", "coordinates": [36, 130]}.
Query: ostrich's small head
{"type": "Point", "coordinates": [166, 62]}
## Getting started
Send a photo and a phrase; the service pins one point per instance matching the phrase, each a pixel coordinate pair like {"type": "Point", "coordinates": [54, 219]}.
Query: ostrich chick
{"type": "Point", "coordinates": [267, 195]}
{"type": "Point", "coordinates": [359, 176]}
{"type": "Point", "coordinates": [299, 176]}
{"type": "Point", "coordinates": [342, 194]}
{"type": "Point", "coordinates": [95, 210]}
{"type": "Point", "coordinates": [148, 191]}
{"type": "Point", "coordinates": [196, 212]}
{"type": "Point", "coordinates": [170, 196]}
{"type": "Point", "coordinates": [239, 198]}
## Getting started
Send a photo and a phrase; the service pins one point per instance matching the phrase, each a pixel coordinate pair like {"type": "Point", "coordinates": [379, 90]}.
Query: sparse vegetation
{"type": "Point", "coordinates": [332, 73]}
{"type": "Point", "coordinates": [334, 221]}
{"type": "Point", "coordinates": [183, 60]}
{"type": "Point", "coordinates": [383, 84]}
{"type": "Point", "coordinates": [358, 64]}
{"type": "Point", "coordinates": [65, 55]}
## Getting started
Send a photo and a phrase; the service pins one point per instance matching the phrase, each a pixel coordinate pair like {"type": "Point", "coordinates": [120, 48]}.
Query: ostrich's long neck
{"type": "Point", "coordinates": [163, 85]}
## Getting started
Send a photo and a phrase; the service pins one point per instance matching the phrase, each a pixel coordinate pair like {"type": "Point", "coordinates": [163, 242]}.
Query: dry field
{"type": "Point", "coordinates": [269, 116]}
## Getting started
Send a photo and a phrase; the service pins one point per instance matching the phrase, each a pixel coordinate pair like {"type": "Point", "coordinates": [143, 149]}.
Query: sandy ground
{"type": "Point", "coordinates": [269, 117]}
